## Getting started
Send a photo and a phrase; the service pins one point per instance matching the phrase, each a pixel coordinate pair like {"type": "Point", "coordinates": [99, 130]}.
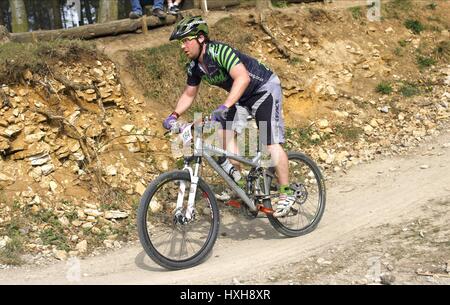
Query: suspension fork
{"type": "Point", "coordinates": [194, 173]}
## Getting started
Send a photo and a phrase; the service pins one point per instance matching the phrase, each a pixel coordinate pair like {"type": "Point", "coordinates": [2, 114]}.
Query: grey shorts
{"type": "Point", "coordinates": [265, 105]}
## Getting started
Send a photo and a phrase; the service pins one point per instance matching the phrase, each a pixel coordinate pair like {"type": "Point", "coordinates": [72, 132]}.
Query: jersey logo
{"type": "Point", "coordinates": [215, 79]}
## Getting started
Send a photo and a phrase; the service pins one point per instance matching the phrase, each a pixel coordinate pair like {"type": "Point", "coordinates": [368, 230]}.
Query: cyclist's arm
{"type": "Point", "coordinates": [241, 80]}
{"type": "Point", "coordinates": [186, 99]}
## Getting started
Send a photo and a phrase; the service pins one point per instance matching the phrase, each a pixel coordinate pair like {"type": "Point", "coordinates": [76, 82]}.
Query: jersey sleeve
{"type": "Point", "coordinates": [193, 79]}
{"type": "Point", "coordinates": [225, 56]}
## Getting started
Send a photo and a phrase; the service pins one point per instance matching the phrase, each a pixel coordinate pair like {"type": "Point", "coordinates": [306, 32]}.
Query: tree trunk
{"type": "Point", "coordinates": [81, 13]}
{"type": "Point", "coordinates": [93, 30]}
{"type": "Point", "coordinates": [56, 12]}
{"type": "Point", "coordinates": [19, 16]}
{"type": "Point", "coordinates": [87, 7]}
{"type": "Point", "coordinates": [108, 11]}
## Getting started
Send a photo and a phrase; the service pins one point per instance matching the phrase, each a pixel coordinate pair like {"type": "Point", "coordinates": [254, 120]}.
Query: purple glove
{"type": "Point", "coordinates": [220, 114]}
{"type": "Point", "coordinates": [171, 119]}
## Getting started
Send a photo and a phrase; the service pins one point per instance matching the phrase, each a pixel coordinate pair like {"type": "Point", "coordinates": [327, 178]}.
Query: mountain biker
{"type": "Point", "coordinates": [252, 87]}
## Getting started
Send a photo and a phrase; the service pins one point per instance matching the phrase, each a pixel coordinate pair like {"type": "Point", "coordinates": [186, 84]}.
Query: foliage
{"type": "Point", "coordinates": [356, 12]}
{"type": "Point", "coordinates": [279, 3]}
{"type": "Point", "coordinates": [11, 253]}
{"type": "Point", "coordinates": [409, 89]}
{"type": "Point", "coordinates": [424, 61]}
{"type": "Point", "coordinates": [17, 58]}
{"type": "Point", "coordinates": [414, 25]}
{"type": "Point", "coordinates": [384, 88]}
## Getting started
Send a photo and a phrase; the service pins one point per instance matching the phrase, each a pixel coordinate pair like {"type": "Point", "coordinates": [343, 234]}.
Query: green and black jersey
{"type": "Point", "coordinates": [218, 60]}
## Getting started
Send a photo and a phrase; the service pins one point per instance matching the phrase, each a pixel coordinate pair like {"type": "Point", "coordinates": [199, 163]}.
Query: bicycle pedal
{"type": "Point", "coordinates": [267, 211]}
{"type": "Point", "coordinates": [234, 204]}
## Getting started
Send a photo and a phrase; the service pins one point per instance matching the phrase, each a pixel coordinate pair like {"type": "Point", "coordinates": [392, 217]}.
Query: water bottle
{"type": "Point", "coordinates": [229, 169]}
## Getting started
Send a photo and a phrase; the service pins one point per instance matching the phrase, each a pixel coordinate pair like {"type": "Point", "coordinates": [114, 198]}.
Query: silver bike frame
{"type": "Point", "coordinates": [207, 151]}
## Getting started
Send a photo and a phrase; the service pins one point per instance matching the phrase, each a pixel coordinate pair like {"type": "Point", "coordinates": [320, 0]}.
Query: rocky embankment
{"type": "Point", "coordinates": [75, 152]}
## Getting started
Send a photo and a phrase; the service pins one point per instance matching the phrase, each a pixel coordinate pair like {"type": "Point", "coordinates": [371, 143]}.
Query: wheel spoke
{"type": "Point", "coordinates": [310, 202]}
{"type": "Point", "coordinates": [171, 235]}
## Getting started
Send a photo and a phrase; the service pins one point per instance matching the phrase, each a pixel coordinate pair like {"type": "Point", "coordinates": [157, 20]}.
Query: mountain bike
{"type": "Point", "coordinates": [178, 216]}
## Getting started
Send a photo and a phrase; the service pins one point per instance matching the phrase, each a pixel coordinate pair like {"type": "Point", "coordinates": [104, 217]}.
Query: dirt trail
{"type": "Point", "coordinates": [387, 191]}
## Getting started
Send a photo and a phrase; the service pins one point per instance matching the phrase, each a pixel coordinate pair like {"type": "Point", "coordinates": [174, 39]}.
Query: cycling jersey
{"type": "Point", "coordinates": [218, 60]}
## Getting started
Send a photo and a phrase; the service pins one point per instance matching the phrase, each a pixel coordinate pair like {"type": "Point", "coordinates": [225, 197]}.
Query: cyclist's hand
{"type": "Point", "coordinates": [169, 122]}
{"type": "Point", "coordinates": [220, 114]}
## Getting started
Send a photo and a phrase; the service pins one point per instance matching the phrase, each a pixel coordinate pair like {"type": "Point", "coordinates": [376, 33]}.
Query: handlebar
{"type": "Point", "coordinates": [178, 127]}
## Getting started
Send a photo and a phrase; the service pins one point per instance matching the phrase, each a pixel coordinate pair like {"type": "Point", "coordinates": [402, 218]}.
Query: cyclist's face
{"type": "Point", "coordinates": [190, 47]}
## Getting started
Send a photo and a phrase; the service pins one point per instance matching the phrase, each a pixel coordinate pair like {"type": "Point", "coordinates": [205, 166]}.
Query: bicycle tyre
{"type": "Point", "coordinates": [144, 237]}
{"type": "Point", "coordinates": [277, 224]}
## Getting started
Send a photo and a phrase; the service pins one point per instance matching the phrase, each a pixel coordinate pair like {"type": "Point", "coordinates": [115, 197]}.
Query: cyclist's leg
{"type": "Point", "coordinates": [269, 115]}
{"type": "Point", "coordinates": [227, 136]}
{"type": "Point", "coordinates": [281, 163]}
{"type": "Point", "coordinates": [236, 122]}
{"type": "Point", "coordinates": [270, 123]}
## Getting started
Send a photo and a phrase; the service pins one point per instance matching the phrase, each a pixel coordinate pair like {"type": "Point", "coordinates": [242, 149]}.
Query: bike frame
{"type": "Point", "coordinates": [203, 150]}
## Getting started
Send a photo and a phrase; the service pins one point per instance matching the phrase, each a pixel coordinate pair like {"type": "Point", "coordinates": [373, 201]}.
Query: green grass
{"type": "Point", "coordinates": [160, 71]}
{"type": "Point", "coordinates": [409, 89]}
{"type": "Point", "coordinates": [54, 234]}
{"type": "Point", "coordinates": [414, 25]}
{"type": "Point", "coordinates": [16, 58]}
{"type": "Point", "coordinates": [279, 3]}
{"type": "Point", "coordinates": [356, 12]}
{"type": "Point", "coordinates": [301, 136]}
{"type": "Point", "coordinates": [384, 88]}
{"type": "Point", "coordinates": [348, 133]}
{"type": "Point", "coordinates": [403, 43]}
{"type": "Point", "coordinates": [424, 61]}
{"type": "Point", "coordinates": [11, 253]}
{"type": "Point", "coordinates": [398, 51]}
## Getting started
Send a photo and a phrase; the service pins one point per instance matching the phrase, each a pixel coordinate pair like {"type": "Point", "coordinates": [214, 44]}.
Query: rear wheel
{"type": "Point", "coordinates": [167, 236]}
{"type": "Point", "coordinates": [306, 180]}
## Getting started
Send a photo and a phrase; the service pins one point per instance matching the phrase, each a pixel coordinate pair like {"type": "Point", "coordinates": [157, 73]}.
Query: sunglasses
{"type": "Point", "coordinates": [186, 39]}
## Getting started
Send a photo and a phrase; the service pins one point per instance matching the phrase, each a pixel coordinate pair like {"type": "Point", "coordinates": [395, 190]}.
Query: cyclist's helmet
{"type": "Point", "coordinates": [189, 26]}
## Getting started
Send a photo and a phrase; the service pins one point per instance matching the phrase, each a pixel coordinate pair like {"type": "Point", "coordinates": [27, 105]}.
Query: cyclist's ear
{"type": "Point", "coordinates": [201, 38]}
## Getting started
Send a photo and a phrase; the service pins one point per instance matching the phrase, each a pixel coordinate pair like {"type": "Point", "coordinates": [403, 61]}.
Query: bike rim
{"type": "Point", "coordinates": [173, 241]}
{"type": "Point", "coordinates": [309, 202]}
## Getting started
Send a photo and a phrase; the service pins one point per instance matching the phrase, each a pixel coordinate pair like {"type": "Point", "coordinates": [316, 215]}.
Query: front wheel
{"type": "Point", "coordinates": [308, 184]}
{"type": "Point", "coordinates": [169, 236]}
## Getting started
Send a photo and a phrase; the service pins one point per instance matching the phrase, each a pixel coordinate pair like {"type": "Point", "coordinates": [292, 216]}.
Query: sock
{"type": "Point", "coordinates": [285, 189]}
{"type": "Point", "coordinates": [241, 182]}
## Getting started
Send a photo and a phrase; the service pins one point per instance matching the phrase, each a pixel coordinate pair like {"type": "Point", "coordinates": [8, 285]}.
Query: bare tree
{"type": "Point", "coordinates": [108, 11]}
{"type": "Point", "coordinates": [19, 16]}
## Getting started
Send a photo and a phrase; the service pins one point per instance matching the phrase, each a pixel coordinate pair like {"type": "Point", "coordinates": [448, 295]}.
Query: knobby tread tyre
{"type": "Point", "coordinates": [321, 183]}
{"type": "Point", "coordinates": [143, 229]}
